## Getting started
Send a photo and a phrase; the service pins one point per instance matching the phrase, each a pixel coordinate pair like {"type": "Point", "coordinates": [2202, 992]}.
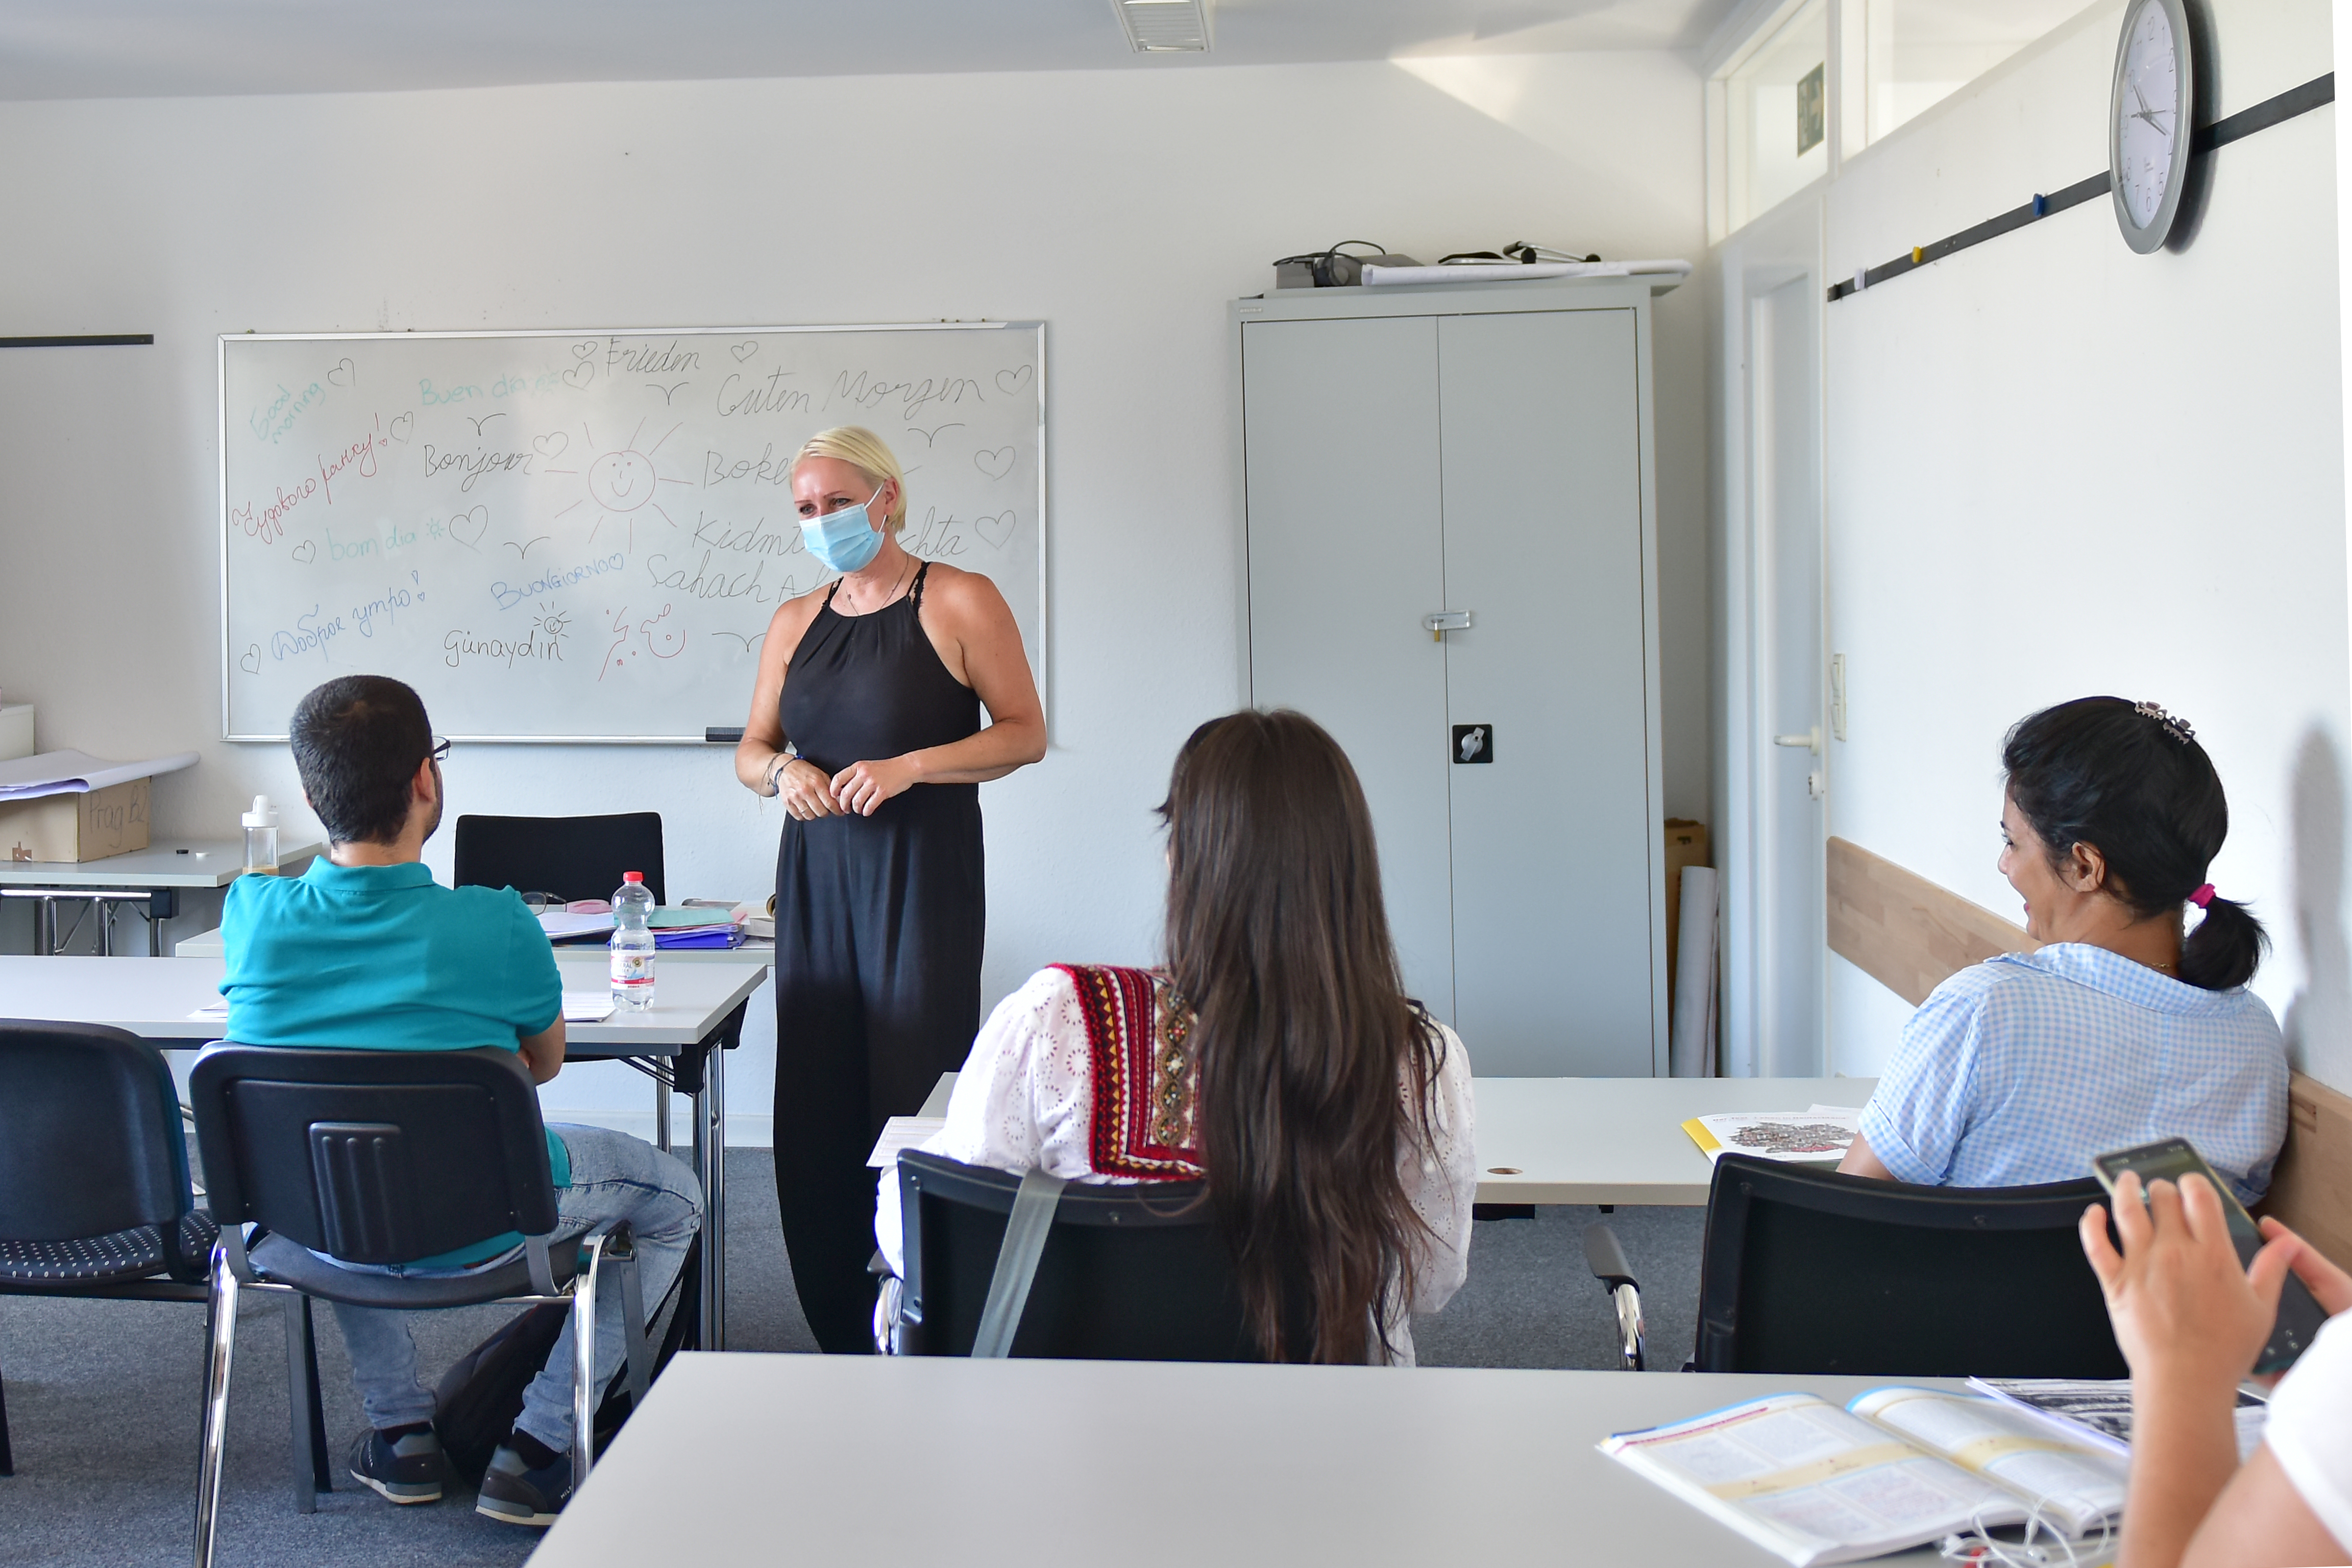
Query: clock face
{"type": "Point", "coordinates": [2153, 115]}
{"type": "Point", "coordinates": [2147, 114]}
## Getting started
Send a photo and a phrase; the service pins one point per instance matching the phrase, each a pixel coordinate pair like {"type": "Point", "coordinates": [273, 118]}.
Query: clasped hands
{"type": "Point", "coordinates": [859, 789]}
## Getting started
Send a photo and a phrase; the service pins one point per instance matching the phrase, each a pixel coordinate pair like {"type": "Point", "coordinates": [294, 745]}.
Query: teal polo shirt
{"type": "Point", "coordinates": [384, 958]}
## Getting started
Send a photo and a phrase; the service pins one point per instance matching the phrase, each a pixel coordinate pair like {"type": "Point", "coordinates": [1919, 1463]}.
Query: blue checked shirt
{"type": "Point", "coordinates": [2022, 1067]}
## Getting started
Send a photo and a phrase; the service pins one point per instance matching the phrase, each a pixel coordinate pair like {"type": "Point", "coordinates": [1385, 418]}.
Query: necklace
{"type": "Point", "coordinates": [895, 589]}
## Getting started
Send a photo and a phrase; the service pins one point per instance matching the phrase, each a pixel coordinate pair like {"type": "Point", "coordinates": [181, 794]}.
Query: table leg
{"type": "Point", "coordinates": [661, 1116]}
{"type": "Point", "coordinates": [105, 913]}
{"type": "Point", "coordinates": [45, 926]}
{"type": "Point", "coordinates": [714, 1278]}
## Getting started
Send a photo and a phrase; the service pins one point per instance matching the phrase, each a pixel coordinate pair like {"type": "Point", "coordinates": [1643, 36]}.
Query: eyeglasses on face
{"type": "Point", "coordinates": [440, 749]}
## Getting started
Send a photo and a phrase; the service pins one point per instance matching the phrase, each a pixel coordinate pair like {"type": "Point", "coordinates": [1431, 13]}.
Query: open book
{"type": "Point", "coordinates": [1898, 1468]}
{"type": "Point", "coordinates": [2098, 1412]}
{"type": "Point", "coordinates": [1819, 1136]}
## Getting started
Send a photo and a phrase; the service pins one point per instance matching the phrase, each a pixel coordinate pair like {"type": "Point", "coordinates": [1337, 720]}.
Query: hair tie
{"type": "Point", "coordinates": [2204, 896]}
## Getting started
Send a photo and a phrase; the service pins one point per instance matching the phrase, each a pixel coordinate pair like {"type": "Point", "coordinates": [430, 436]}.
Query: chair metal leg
{"type": "Point", "coordinates": [583, 1363]}
{"type": "Point", "coordinates": [633, 1326]}
{"type": "Point", "coordinates": [307, 1438]}
{"type": "Point", "coordinates": [7, 1456]}
{"type": "Point", "coordinates": [220, 1349]}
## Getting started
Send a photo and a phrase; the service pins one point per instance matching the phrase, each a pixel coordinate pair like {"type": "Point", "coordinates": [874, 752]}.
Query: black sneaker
{"type": "Point", "coordinates": [408, 1471]}
{"type": "Point", "coordinates": [518, 1496]}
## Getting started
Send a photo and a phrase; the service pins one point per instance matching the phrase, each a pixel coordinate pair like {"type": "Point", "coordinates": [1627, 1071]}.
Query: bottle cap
{"type": "Point", "coordinates": [263, 813]}
{"type": "Point", "coordinates": [633, 875]}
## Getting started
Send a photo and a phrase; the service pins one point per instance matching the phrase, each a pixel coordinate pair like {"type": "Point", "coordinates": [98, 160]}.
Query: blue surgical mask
{"type": "Point", "coordinates": [845, 540]}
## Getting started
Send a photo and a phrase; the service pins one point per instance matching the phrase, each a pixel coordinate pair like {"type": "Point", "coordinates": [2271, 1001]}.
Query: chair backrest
{"type": "Point", "coordinates": [372, 1156]}
{"type": "Point", "coordinates": [571, 857]}
{"type": "Point", "coordinates": [90, 1142]}
{"type": "Point", "coordinates": [1810, 1271]}
{"type": "Point", "coordinates": [1129, 1273]}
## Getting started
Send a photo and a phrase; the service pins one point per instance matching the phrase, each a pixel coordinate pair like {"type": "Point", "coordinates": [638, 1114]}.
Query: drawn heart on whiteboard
{"type": "Point", "coordinates": [344, 373]}
{"type": "Point", "coordinates": [306, 551]}
{"type": "Point", "coordinates": [998, 528]}
{"type": "Point", "coordinates": [467, 526]}
{"type": "Point", "coordinates": [251, 662]}
{"type": "Point", "coordinates": [996, 464]}
{"type": "Point", "coordinates": [744, 349]}
{"type": "Point", "coordinates": [401, 426]}
{"type": "Point", "coordinates": [559, 441]}
{"type": "Point", "coordinates": [580, 374]}
{"type": "Point", "coordinates": [581, 351]}
{"type": "Point", "coordinates": [1009, 381]}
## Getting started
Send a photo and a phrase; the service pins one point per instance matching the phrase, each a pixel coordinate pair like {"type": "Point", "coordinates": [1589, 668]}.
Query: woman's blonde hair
{"type": "Point", "coordinates": [864, 451]}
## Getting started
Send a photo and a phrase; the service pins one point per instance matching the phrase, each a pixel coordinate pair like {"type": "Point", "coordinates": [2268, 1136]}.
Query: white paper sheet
{"type": "Point", "coordinates": [558, 925]}
{"type": "Point", "coordinates": [587, 1007]}
{"type": "Point", "coordinates": [212, 1012]}
{"type": "Point", "coordinates": [1518, 272]}
{"type": "Point", "coordinates": [77, 773]}
{"type": "Point", "coordinates": [901, 1132]}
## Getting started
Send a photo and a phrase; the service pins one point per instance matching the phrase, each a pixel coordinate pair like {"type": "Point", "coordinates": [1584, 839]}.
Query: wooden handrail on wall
{"type": "Point", "coordinates": [1910, 935]}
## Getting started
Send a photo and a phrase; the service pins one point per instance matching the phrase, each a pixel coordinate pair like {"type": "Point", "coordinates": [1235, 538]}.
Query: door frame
{"type": "Point", "coordinates": [1785, 246]}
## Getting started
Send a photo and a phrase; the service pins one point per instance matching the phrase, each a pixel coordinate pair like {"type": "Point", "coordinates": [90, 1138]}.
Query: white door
{"type": "Point", "coordinates": [1789, 688]}
{"type": "Point", "coordinates": [1551, 821]}
{"type": "Point", "coordinates": [1345, 558]}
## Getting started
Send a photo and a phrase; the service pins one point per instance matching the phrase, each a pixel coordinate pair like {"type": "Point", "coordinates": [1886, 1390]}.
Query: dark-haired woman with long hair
{"type": "Point", "coordinates": [1276, 1054]}
{"type": "Point", "coordinates": [2119, 1029]}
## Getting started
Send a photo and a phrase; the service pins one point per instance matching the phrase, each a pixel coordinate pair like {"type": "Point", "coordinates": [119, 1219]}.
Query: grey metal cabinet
{"type": "Point", "coordinates": [1479, 452]}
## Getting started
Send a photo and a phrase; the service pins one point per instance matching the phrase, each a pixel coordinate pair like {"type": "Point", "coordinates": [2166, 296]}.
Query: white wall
{"type": "Point", "coordinates": [1123, 208]}
{"type": "Point", "coordinates": [2054, 468]}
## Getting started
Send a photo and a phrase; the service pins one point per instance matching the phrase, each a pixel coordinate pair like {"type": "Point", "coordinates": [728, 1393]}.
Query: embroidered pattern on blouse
{"type": "Point", "coordinates": [1144, 1082]}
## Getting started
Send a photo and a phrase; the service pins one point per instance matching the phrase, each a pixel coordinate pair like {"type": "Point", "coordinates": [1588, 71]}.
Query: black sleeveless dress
{"type": "Point", "coordinates": [880, 925]}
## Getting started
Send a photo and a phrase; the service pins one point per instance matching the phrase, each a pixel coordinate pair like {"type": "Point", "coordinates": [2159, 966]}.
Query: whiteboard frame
{"type": "Point", "coordinates": [1045, 578]}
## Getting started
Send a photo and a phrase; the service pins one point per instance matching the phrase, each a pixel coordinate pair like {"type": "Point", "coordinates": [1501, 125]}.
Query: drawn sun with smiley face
{"type": "Point", "coordinates": [622, 482]}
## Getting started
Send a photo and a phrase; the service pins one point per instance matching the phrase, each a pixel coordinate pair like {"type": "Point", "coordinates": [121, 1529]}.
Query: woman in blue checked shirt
{"type": "Point", "coordinates": [2118, 1030]}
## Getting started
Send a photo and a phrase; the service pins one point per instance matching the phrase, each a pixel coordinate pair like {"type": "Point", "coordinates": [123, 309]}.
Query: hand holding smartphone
{"type": "Point", "coordinates": [2300, 1314]}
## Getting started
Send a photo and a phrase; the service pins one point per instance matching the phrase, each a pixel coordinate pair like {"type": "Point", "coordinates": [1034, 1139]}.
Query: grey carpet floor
{"type": "Point", "coordinates": [102, 1396]}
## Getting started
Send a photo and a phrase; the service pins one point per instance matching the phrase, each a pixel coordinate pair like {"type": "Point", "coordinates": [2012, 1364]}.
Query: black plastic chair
{"type": "Point", "coordinates": [378, 1157]}
{"type": "Point", "coordinates": [94, 1200]}
{"type": "Point", "coordinates": [570, 857]}
{"type": "Point", "coordinates": [1809, 1271]}
{"type": "Point", "coordinates": [1129, 1273]}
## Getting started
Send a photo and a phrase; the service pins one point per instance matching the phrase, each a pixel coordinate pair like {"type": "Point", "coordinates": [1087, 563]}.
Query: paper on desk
{"type": "Point", "coordinates": [211, 1012]}
{"type": "Point", "coordinates": [587, 1007]}
{"type": "Point", "coordinates": [901, 1132]}
{"type": "Point", "coordinates": [559, 925]}
{"type": "Point", "coordinates": [76, 773]}
{"type": "Point", "coordinates": [1797, 1137]}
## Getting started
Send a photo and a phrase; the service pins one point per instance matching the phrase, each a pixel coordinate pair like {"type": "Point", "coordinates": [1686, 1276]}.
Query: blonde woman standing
{"type": "Point", "coordinates": [865, 722]}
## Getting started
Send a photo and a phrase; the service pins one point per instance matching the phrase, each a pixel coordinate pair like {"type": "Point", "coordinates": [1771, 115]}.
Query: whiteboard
{"type": "Point", "coordinates": [580, 536]}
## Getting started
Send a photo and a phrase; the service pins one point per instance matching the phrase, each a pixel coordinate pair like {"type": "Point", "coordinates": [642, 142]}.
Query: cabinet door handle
{"type": "Point", "coordinates": [1810, 739]}
{"type": "Point", "coordinates": [1441, 622]}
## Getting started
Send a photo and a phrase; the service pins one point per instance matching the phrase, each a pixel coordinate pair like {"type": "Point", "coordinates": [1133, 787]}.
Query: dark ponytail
{"type": "Point", "coordinates": [2132, 780]}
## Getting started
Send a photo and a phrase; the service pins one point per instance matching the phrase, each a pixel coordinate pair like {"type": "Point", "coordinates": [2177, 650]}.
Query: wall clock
{"type": "Point", "coordinates": [2150, 116]}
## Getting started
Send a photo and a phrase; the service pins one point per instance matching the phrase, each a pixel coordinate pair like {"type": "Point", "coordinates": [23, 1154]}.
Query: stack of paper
{"type": "Point", "coordinates": [1819, 1136]}
{"type": "Point", "coordinates": [79, 772]}
{"type": "Point", "coordinates": [901, 1132]}
{"type": "Point", "coordinates": [671, 927]}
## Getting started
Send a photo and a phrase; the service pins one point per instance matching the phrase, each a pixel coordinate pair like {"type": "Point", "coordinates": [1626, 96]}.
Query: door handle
{"type": "Point", "coordinates": [1810, 739]}
{"type": "Point", "coordinates": [1443, 621]}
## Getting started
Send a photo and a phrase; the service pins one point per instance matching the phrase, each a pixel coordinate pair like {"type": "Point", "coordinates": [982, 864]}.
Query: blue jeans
{"type": "Point", "coordinates": [614, 1177]}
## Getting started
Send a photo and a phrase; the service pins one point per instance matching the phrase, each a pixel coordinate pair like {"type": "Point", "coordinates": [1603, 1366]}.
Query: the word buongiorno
{"type": "Point", "coordinates": [507, 597]}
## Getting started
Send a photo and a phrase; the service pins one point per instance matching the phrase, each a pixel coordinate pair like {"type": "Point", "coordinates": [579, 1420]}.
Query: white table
{"type": "Point", "coordinates": [152, 877]}
{"type": "Point", "coordinates": [797, 1459]}
{"type": "Point", "coordinates": [680, 1040]}
{"type": "Point", "coordinates": [1602, 1140]}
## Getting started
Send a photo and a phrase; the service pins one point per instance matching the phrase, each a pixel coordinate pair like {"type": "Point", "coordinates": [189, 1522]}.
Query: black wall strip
{"type": "Point", "coordinates": [2219, 133]}
{"type": "Point", "coordinates": [103, 341]}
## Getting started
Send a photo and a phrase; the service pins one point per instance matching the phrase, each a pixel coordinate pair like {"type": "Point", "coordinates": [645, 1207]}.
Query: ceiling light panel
{"type": "Point", "coordinates": [1165, 27]}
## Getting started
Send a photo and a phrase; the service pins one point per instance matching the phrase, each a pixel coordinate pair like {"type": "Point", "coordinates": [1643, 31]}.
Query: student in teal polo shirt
{"type": "Point", "coordinates": [365, 950]}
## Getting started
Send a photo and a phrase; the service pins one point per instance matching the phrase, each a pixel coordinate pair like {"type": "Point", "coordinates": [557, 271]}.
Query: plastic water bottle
{"type": "Point", "coordinates": [261, 837]}
{"type": "Point", "coordinates": [633, 944]}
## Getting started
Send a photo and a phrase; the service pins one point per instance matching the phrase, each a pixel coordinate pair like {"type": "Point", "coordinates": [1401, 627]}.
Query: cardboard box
{"type": "Point", "coordinates": [1685, 845]}
{"type": "Point", "coordinates": [90, 826]}
{"type": "Point", "coordinates": [16, 730]}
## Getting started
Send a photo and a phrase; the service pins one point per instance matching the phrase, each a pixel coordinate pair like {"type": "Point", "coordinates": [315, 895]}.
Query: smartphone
{"type": "Point", "coordinates": [2300, 1314]}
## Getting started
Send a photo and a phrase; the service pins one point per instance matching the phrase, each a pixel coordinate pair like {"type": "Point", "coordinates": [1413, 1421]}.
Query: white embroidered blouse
{"type": "Point", "coordinates": [1026, 1101]}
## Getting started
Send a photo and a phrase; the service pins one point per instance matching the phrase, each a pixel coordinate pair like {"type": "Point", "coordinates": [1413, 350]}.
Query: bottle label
{"type": "Point", "coordinates": [632, 971]}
